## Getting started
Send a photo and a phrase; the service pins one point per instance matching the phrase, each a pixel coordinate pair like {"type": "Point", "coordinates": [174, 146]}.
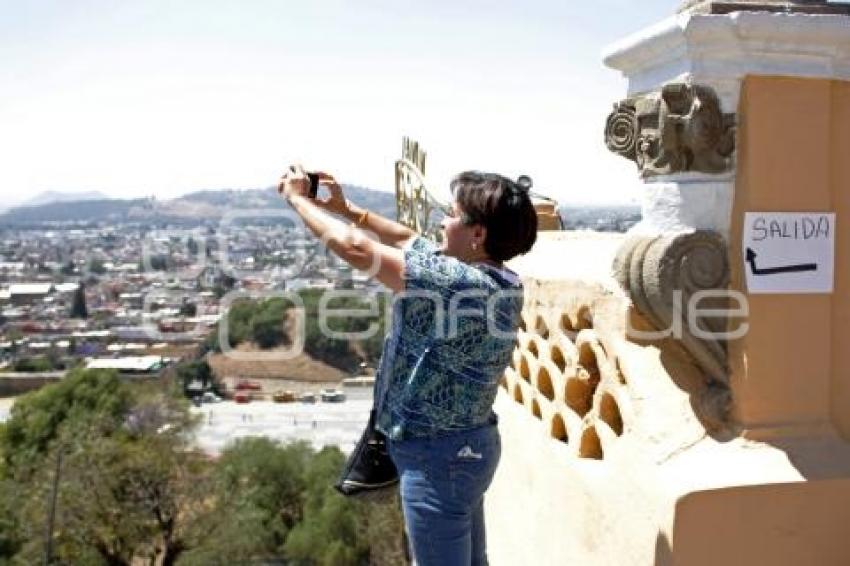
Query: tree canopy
{"type": "Point", "coordinates": [267, 324]}
{"type": "Point", "coordinates": [132, 487]}
{"type": "Point", "coordinates": [78, 306]}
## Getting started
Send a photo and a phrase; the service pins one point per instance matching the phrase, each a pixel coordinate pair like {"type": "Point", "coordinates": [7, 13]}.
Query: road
{"type": "Point", "coordinates": [320, 424]}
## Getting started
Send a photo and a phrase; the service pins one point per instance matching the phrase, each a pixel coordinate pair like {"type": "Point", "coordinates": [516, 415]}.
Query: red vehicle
{"type": "Point", "coordinates": [242, 397]}
{"type": "Point", "coordinates": [245, 385]}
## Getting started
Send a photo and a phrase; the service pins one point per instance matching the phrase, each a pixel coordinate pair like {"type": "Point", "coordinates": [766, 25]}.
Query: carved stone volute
{"type": "Point", "coordinates": [662, 275]}
{"type": "Point", "coordinates": [678, 129]}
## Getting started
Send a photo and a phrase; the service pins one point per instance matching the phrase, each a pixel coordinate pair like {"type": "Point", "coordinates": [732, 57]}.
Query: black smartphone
{"type": "Point", "coordinates": [314, 184]}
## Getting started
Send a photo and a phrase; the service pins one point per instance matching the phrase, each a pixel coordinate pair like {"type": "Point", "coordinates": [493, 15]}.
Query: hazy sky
{"type": "Point", "coordinates": [157, 97]}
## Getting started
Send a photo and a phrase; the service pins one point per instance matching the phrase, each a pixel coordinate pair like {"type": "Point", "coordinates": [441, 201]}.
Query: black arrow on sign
{"type": "Point", "coordinates": [751, 259]}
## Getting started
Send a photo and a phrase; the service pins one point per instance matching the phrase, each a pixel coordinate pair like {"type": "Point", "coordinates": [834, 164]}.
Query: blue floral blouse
{"type": "Point", "coordinates": [453, 332]}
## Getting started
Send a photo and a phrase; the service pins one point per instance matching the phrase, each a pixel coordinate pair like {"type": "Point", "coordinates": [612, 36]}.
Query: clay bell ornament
{"type": "Point", "coordinates": [547, 208]}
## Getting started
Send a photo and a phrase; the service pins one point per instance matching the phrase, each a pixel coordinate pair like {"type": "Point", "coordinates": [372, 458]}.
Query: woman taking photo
{"type": "Point", "coordinates": [455, 314]}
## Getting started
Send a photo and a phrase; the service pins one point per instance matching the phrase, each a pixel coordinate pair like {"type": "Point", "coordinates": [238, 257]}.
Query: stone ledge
{"type": "Point", "coordinates": [719, 50]}
{"type": "Point", "coordinates": [583, 256]}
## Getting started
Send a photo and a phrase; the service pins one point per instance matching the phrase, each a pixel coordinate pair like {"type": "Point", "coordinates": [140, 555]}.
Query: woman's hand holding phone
{"type": "Point", "coordinates": [297, 181]}
{"type": "Point", "coordinates": [294, 181]}
{"type": "Point", "coordinates": [335, 202]}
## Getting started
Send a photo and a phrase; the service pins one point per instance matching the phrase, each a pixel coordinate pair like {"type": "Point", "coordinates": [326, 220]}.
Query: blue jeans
{"type": "Point", "coordinates": [443, 481]}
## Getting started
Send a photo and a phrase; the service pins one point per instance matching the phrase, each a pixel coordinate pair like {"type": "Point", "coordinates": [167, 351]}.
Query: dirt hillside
{"type": "Point", "coordinates": [301, 368]}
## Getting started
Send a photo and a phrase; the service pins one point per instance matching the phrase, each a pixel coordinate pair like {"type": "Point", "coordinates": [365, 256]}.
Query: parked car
{"type": "Point", "coordinates": [210, 397]}
{"type": "Point", "coordinates": [242, 397]}
{"type": "Point", "coordinates": [284, 397]}
{"type": "Point", "coordinates": [245, 385]}
{"type": "Point", "coordinates": [332, 396]}
{"type": "Point", "coordinates": [307, 397]}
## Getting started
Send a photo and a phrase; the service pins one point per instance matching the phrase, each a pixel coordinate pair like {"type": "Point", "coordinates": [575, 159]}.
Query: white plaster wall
{"type": "Point", "coordinates": [547, 507]}
{"type": "Point", "coordinates": [684, 206]}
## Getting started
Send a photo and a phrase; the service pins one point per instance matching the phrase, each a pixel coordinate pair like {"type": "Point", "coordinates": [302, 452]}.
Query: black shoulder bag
{"type": "Point", "coordinates": [369, 471]}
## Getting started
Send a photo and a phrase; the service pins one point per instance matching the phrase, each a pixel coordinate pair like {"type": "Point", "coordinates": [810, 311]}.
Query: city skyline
{"type": "Point", "coordinates": [154, 99]}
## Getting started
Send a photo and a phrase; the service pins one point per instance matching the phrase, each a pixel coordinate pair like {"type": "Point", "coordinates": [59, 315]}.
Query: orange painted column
{"type": "Point", "coordinates": [840, 181]}
{"type": "Point", "coordinates": [790, 372]}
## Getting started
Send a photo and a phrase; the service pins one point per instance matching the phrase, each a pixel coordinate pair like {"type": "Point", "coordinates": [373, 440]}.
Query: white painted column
{"type": "Point", "coordinates": [719, 51]}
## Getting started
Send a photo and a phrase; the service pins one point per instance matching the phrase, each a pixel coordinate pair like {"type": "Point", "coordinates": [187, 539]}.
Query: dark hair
{"type": "Point", "coordinates": [502, 206]}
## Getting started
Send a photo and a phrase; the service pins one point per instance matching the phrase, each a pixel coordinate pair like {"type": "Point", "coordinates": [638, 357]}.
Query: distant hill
{"type": "Point", "coordinates": [85, 211]}
{"type": "Point", "coordinates": [55, 196]}
{"type": "Point", "coordinates": [379, 201]}
{"type": "Point", "coordinates": [192, 208]}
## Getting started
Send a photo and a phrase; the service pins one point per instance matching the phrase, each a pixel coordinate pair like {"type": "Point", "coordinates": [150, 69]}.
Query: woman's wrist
{"type": "Point", "coordinates": [295, 199]}
{"type": "Point", "coordinates": [353, 212]}
{"type": "Point", "coordinates": [361, 217]}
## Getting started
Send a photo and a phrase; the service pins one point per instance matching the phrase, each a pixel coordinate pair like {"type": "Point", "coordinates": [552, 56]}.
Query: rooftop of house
{"type": "Point", "coordinates": [30, 288]}
{"type": "Point", "coordinates": [129, 363]}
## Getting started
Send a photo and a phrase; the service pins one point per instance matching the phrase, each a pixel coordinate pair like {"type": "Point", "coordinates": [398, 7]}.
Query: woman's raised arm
{"type": "Point", "coordinates": [390, 233]}
{"type": "Point", "coordinates": [382, 261]}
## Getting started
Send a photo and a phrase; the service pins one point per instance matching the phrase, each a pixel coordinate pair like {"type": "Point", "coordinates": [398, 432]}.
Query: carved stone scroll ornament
{"type": "Point", "coordinates": [661, 275]}
{"type": "Point", "coordinates": [679, 129]}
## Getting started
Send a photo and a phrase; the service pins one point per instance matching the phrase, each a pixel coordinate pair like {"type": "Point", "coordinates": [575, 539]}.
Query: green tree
{"type": "Point", "coordinates": [159, 262]}
{"type": "Point", "coordinates": [11, 537]}
{"type": "Point", "coordinates": [130, 486]}
{"type": "Point", "coordinates": [258, 499]}
{"type": "Point", "coordinates": [211, 343]}
{"type": "Point", "coordinates": [35, 365]}
{"type": "Point", "coordinates": [78, 306]}
{"type": "Point", "coordinates": [82, 398]}
{"type": "Point", "coordinates": [224, 283]}
{"type": "Point", "coordinates": [68, 268]}
{"type": "Point", "coordinates": [267, 324]}
{"type": "Point", "coordinates": [277, 502]}
{"type": "Point", "coordinates": [372, 346]}
{"type": "Point", "coordinates": [269, 477]}
{"type": "Point", "coordinates": [342, 353]}
{"type": "Point", "coordinates": [257, 321]}
{"type": "Point", "coordinates": [96, 266]}
{"type": "Point", "coordinates": [197, 370]}
{"type": "Point", "coordinates": [264, 323]}
{"type": "Point", "coordinates": [120, 498]}
{"type": "Point", "coordinates": [239, 318]}
{"type": "Point", "coordinates": [55, 358]}
{"type": "Point", "coordinates": [340, 531]}
{"type": "Point", "coordinates": [332, 529]}
{"type": "Point", "coordinates": [188, 309]}
{"type": "Point", "coordinates": [138, 492]}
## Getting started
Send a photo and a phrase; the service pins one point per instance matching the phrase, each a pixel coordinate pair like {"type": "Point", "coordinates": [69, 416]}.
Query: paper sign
{"type": "Point", "coordinates": [789, 252]}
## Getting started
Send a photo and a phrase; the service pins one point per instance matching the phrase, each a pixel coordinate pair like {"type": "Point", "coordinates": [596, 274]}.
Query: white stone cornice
{"type": "Point", "coordinates": [719, 50]}
{"type": "Point", "coordinates": [651, 47]}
